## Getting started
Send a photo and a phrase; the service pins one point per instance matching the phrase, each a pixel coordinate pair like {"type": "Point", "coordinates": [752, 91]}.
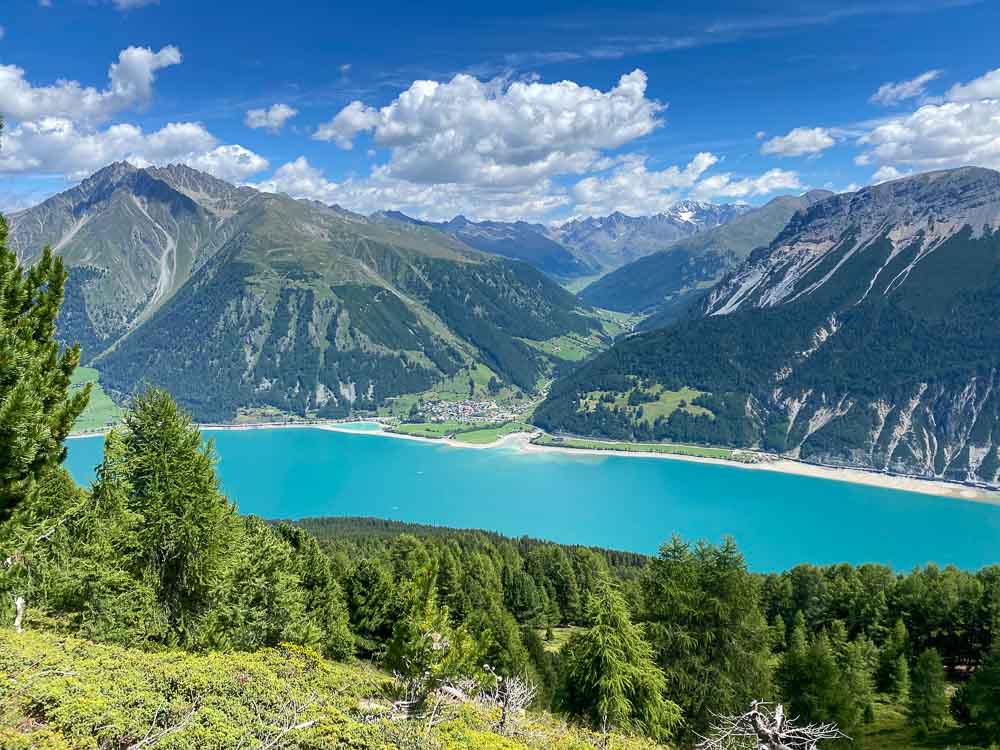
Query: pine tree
{"type": "Point", "coordinates": [703, 619]}
{"type": "Point", "coordinates": [928, 705]}
{"type": "Point", "coordinates": [982, 698]}
{"type": "Point", "coordinates": [37, 411]}
{"type": "Point", "coordinates": [611, 675]}
{"type": "Point", "coordinates": [187, 523]}
{"type": "Point", "coordinates": [901, 678]}
{"type": "Point", "coordinates": [896, 645]}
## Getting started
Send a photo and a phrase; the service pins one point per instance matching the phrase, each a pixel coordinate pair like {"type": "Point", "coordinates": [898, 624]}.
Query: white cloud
{"type": "Point", "coordinates": [272, 118]}
{"type": "Point", "coordinates": [300, 179]}
{"type": "Point", "coordinates": [984, 87]}
{"type": "Point", "coordinates": [937, 136]}
{"type": "Point", "coordinates": [964, 129]}
{"type": "Point", "coordinates": [466, 131]}
{"type": "Point", "coordinates": [726, 186]}
{"type": "Point", "coordinates": [887, 173]}
{"type": "Point", "coordinates": [351, 120]}
{"type": "Point", "coordinates": [889, 94]}
{"type": "Point", "coordinates": [56, 145]}
{"type": "Point", "coordinates": [130, 84]}
{"type": "Point", "coordinates": [799, 142]}
{"type": "Point", "coordinates": [633, 189]}
{"type": "Point", "coordinates": [345, 69]}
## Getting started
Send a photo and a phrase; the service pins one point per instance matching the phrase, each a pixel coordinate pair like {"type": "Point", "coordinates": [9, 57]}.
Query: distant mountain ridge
{"type": "Point", "coordinates": [864, 335]}
{"type": "Point", "coordinates": [583, 247]}
{"type": "Point", "coordinates": [234, 299]}
{"type": "Point", "coordinates": [663, 283]}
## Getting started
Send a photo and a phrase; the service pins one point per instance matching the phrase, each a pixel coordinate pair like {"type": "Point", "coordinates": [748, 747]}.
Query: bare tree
{"type": "Point", "coordinates": [512, 695]}
{"type": "Point", "coordinates": [766, 728]}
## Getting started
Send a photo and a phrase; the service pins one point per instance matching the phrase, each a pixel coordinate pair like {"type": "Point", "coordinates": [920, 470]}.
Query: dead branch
{"type": "Point", "coordinates": [764, 728]}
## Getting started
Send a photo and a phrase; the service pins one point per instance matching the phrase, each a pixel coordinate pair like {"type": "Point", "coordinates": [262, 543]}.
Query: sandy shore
{"type": "Point", "coordinates": [522, 441]}
{"type": "Point", "coordinates": [787, 466]}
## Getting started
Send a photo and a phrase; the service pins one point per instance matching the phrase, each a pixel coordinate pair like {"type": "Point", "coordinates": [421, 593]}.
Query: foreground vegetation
{"type": "Point", "coordinates": [146, 611]}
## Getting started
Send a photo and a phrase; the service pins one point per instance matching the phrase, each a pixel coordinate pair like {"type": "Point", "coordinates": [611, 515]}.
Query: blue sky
{"type": "Point", "coordinates": [540, 111]}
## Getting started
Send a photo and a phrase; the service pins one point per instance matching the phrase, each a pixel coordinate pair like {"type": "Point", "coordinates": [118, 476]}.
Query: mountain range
{"type": "Point", "coordinates": [864, 335]}
{"type": "Point", "coordinates": [583, 247]}
{"type": "Point", "coordinates": [235, 299]}
{"type": "Point", "coordinates": [663, 284]}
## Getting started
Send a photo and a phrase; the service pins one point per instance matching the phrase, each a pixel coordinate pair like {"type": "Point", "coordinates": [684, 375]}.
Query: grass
{"type": "Point", "coordinates": [101, 411]}
{"type": "Point", "coordinates": [890, 731]}
{"type": "Point", "coordinates": [476, 433]}
{"type": "Point", "coordinates": [59, 693]}
{"type": "Point", "coordinates": [493, 433]}
{"type": "Point", "coordinates": [666, 448]}
{"type": "Point", "coordinates": [560, 637]}
{"type": "Point", "coordinates": [666, 403]}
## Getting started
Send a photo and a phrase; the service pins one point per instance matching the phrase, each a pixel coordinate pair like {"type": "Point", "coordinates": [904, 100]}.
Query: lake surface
{"type": "Point", "coordinates": [778, 520]}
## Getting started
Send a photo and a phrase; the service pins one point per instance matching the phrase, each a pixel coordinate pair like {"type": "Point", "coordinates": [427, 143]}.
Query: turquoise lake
{"type": "Point", "coordinates": [777, 520]}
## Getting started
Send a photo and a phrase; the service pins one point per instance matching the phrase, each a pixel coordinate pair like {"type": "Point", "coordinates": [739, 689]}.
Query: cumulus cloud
{"type": "Point", "coordinates": [962, 129]}
{"type": "Point", "coordinates": [272, 118]}
{"type": "Point", "coordinates": [632, 188]}
{"type": "Point", "coordinates": [56, 145]}
{"type": "Point", "coordinates": [727, 186]}
{"type": "Point", "coordinates": [130, 84]}
{"type": "Point", "coordinates": [351, 120]}
{"type": "Point", "coordinates": [889, 94]}
{"type": "Point", "coordinates": [799, 142]}
{"type": "Point", "coordinates": [938, 136]}
{"type": "Point", "coordinates": [499, 134]}
{"type": "Point", "coordinates": [379, 191]}
{"type": "Point", "coordinates": [984, 87]}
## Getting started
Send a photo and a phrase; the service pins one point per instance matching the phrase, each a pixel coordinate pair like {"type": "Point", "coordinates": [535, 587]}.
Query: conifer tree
{"type": "Point", "coordinates": [901, 678]}
{"type": "Point", "coordinates": [187, 523]}
{"type": "Point", "coordinates": [612, 678]}
{"type": "Point", "coordinates": [703, 619]}
{"type": "Point", "coordinates": [982, 698]}
{"type": "Point", "coordinates": [37, 411]}
{"type": "Point", "coordinates": [928, 705]}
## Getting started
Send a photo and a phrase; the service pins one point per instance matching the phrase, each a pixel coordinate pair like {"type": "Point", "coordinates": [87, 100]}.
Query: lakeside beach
{"type": "Point", "coordinates": [522, 442]}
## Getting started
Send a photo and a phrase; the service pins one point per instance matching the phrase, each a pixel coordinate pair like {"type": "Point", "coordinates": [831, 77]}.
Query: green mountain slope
{"type": "Point", "coordinates": [237, 299]}
{"type": "Point", "coordinates": [130, 238]}
{"type": "Point", "coordinates": [668, 280]}
{"type": "Point", "coordinates": [864, 336]}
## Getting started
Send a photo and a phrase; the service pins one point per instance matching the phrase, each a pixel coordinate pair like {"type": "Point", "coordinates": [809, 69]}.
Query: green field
{"type": "Point", "coordinates": [889, 731]}
{"type": "Point", "coordinates": [477, 433]}
{"type": "Point", "coordinates": [667, 448]}
{"type": "Point", "coordinates": [665, 404]}
{"type": "Point", "coordinates": [493, 433]}
{"type": "Point", "coordinates": [101, 411]}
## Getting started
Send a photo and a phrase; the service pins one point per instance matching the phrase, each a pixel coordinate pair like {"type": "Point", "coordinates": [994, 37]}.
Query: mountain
{"type": "Point", "coordinates": [582, 247]}
{"type": "Point", "coordinates": [235, 299]}
{"type": "Point", "coordinates": [666, 282]}
{"type": "Point", "coordinates": [131, 238]}
{"type": "Point", "coordinates": [612, 241]}
{"type": "Point", "coordinates": [864, 335]}
{"type": "Point", "coordinates": [517, 240]}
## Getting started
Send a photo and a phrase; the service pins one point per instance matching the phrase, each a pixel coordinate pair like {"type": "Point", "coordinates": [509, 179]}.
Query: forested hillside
{"type": "Point", "coordinates": [144, 609]}
{"type": "Point", "coordinates": [666, 282]}
{"type": "Point", "coordinates": [236, 299]}
{"type": "Point", "coordinates": [862, 336]}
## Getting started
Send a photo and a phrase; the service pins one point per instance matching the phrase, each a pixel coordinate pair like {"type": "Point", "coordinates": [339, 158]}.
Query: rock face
{"type": "Point", "coordinates": [232, 298]}
{"type": "Point", "coordinates": [865, 335]}
{"type": "Point", "coordinates": [612, 241]}
{"type": "Point", "coordinates": [670, 279]}
{"type": "Point", "coordinates": [582, 247]}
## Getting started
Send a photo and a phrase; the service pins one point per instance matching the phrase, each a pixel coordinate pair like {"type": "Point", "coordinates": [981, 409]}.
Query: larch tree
{"type": "Point", "coordinates": [612, 677]}
{"type": "Point", "coordinates": [928, 705]}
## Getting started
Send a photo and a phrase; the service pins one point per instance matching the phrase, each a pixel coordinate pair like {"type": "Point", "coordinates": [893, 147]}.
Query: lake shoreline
{"type": "Point", "coordinates": [522, 442]}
